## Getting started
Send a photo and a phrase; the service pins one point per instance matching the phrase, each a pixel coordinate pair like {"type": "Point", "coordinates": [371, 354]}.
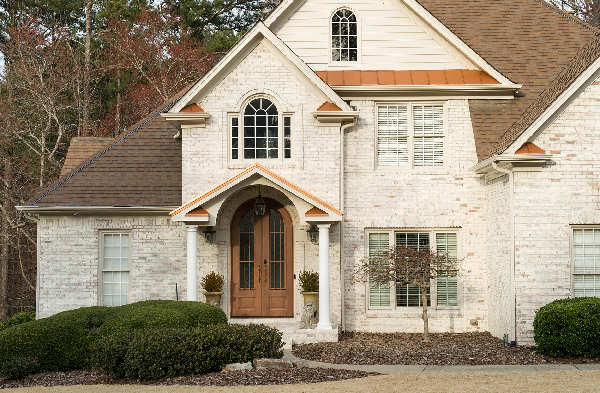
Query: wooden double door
{"type": "Point", "coordinates": [262, 262]}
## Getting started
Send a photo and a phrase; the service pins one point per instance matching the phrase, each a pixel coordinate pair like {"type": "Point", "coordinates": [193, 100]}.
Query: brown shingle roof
{"type": "Point", "coordinates": [80, 149]}
{"type": "Point", "coordinates": [528, 41]}
{"type": "Point", "coordinates": [142, 168]}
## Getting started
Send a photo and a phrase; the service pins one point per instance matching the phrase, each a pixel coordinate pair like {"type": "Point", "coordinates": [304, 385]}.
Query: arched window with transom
{"type": "Point", "coordinates": [344, 36]}
{"type": "Point", "coordinates": [261, 132]}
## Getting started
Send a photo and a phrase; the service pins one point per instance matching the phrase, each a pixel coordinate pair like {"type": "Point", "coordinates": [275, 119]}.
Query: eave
{"type": "Point", "coordinates": [512, 161]}
{"type": "Point", "coordinates": [186, 119]}
{"type": "Point", "coordinates": [491, 91]}
{"type": "Point", "coordinates": [101, 210]}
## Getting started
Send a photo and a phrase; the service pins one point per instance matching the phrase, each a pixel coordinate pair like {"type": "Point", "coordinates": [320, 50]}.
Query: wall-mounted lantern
{"type": "Point", "coordinates": [209, 234]}
{"type": "Point", "coordinates": [313, 234]}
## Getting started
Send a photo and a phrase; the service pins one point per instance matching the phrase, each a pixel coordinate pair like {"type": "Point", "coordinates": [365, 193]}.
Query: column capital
{"type": "Point", "coordinates": [324, 225]}
{"type": "Point", "coordinates": [192, 228]}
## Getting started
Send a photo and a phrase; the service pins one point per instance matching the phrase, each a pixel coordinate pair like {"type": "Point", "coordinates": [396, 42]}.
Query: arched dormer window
{"type": "Point", "coordinates": [258, 133]}
{"type": "Point", "coordinates": [344, 36]}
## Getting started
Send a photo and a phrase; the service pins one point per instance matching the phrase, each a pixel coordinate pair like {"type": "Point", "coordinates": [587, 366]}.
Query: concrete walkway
{"type": "Point", "coordinates": [393, 369]}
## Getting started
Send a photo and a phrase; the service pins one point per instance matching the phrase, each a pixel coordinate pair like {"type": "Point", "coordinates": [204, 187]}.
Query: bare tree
{"type": "Point", "coordinates": [408, 265]}
{"type": "Point", "coordinates": [586, 10]}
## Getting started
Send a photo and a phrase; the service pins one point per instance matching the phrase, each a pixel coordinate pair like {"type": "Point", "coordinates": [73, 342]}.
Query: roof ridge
{"type": "Point", "coordinates": [578, 64]}
{"type": "Point", "coordinates": [566, 15]}
{"type": "Point", "coordinates": [59, 183]}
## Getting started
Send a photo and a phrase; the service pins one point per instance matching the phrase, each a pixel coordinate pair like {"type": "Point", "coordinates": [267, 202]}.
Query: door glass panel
{"type": "Point", "coordinates": [276, 238]}
{"type": "Point", "coordinates": [247, 251]}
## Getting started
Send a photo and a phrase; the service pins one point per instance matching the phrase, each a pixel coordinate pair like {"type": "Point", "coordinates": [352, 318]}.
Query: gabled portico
{"type": "Point", "coordinates": [214, 206]}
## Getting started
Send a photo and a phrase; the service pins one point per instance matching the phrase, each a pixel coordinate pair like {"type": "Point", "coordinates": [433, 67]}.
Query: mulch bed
{"type": "Point", "coordinates": [408, 348]}
{"type": "Point", "coordinates": [246, 377]}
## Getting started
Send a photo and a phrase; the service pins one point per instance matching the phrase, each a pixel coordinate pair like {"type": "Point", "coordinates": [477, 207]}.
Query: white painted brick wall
{"type": "Point", "coordinates": [548, 202]}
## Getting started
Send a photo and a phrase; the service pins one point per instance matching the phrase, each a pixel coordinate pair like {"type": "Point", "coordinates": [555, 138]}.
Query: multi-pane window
{"type": "Point", "coordinates": [344, 36]}
{"type": "Point", "coordinates": [115, 269]}
{"type": "Point", "coordinates": [442, 293]}
{"type": "Point", "coordinates": [258, 133]}
{"type": "Point", "coordinates": [410, 135]}
{"type": "Point", "coordinates": [586, 262]}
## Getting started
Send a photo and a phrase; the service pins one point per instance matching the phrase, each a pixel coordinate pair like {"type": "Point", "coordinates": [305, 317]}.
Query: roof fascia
{"type": "Point", "coordinates": [282, 13]}
{"type": "Point", "coordinates": [180, 215]}
{"type": "Point", "coordinates": [494, 91]}
{"type": "Point", "coordinates": [557, 107]}
{"type": "Point", "coordinates": [76, 210]}
{"type": "Point", "coordinates": [485, 166]}
{"type": "Point", "coordinates": [237, 54]}
{"type": "Point", "coordinates": [456, 41]}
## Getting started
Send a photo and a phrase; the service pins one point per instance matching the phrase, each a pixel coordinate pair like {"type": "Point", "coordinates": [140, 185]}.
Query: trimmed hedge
{"type": "Point", "coordinates": [18, 319]}
{"type": "Point", "coordinates": [163, 353]}
{"type": "Point", "coordinates": [568, 327]}
{"type": "Point", "coordinates": [151, 314]}
{"type": "Point", "coordinates": [18, 368]}
{"type": "Point", "coordinates": [62, 342]}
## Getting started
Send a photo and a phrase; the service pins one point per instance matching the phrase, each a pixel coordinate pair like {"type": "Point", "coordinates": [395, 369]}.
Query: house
{"type": "Point", "coordinates": [471, 127]}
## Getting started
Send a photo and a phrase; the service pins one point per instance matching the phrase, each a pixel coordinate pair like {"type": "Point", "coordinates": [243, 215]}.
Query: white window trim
{"type": "Point", "coordinates": [101, 262]}
{"type": "Point", "coordinates": [433, 291]}
{"type": "Point", "coordinates": [411, 167]}
{"type": "Point", "coordinates": [572, 254]}
{"type": "Point", "coordinates": [281, 113]}
{"type": "Point", "coordinates": [340, 63]}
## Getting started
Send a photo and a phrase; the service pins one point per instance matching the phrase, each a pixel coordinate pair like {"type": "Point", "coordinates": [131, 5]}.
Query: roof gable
{"type": "Point", "coordinates": [259, 34]}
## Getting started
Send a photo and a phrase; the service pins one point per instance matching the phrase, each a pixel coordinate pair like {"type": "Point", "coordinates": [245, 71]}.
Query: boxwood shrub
{"type": "Point", "coordinates": [167, 352]}
{"type": "Point", "coordinates": [18, 319]}
{"type": "Point", "coordinates": [568, 327]}
{"type": "Point", "coordinates": [62, 342]}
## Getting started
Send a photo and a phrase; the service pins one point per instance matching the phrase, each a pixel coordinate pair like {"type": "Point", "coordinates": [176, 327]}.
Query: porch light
{"type": "Point", "coordinates": [313, 234]}
{"type": "Point", "coordinates": [209, 234]}
{"type": "Point", "coordinates": [259, 205]}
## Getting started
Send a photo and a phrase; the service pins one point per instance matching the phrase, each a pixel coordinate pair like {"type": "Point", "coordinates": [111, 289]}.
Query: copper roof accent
{"type": "Point", "coordinates": [406, 77]}
{"type": "Point", "coordinates": [316, 212]}
{"type": "Point", "coordinates": [82, 148]}
{"type": "Point", "coordinates": [528, 41]}
{"type": "Point", "coordinates": [270, 173]}
{"type": "Point", "coordinates": [198, 212]}
{"type": "Point", "coordinates": [195, 108]}
{"type": "Point", "coordinates": [530, 148]}
{"type": "Point", "coordinates": [328, 107]}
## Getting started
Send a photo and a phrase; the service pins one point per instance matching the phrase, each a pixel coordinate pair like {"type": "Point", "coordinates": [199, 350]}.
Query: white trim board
{"type": "Point", "coordinates": [557, 107]}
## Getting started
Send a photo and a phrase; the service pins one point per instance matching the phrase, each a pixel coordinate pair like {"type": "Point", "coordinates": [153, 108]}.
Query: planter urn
{"type": "Point", "coordinates": [314, 296]}
{"type": "Point", "coordinates": [210, 296]}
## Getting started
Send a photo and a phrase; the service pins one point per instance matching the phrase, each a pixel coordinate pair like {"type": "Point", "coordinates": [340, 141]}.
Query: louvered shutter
{"type": "Point", "coordinates": [392, 135]}
{"type": "Point", "coordinates": [428, 144]}
{"type": "Point", "coordinates": [447, 283]}
{"type": "Point", "coordinates": [379, 295]}
{"type": "Point", "coordinates": [586, 262]}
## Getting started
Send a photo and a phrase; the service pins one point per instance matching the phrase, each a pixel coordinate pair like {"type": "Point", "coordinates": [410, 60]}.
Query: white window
{"type": "Point", "coordinates": [410, 135]}
{"type": "Point", "coordinates": [114, 268]}
{"type": "Point", "coordinates": [586, 262]}
{"type": "Point", "coordinates": [443, 292]}
{"type": "Point", "coordinates": [261, 132]}
{"type": "Point", "coordinates": [344, 36]}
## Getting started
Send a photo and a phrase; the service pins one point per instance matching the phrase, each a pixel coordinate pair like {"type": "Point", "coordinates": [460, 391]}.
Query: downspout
{"type": "Point", "coordinates": [513, 306]}
{"type": "Point", "coordinates": [342, 281]}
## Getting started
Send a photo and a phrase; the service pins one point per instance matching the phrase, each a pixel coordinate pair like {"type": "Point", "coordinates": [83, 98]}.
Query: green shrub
{"type": "Point", "coordinates": [309, 281]}
{"type": "Point", "coordinates": [160, 353]}
{"type": "Point", "coordinates": [151, 314]}
{"type": "Point", "coordinates": [62, 342]}
{"type": "Point", "coordinates": [18, 319]}
{"type": "Point", "coordinates": [568, 327]}
{"type": "Point", "coordinates": [18, 367]}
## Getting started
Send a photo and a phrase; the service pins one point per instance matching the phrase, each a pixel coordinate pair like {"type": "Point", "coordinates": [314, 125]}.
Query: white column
{"type": "Point", "coordinates": [192, 263]}
{"type": "Point", "coordinates": [324, 301]}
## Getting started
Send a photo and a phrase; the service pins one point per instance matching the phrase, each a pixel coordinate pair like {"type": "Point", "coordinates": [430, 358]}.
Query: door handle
{"type": "Point", "coordinates": [258, 273]}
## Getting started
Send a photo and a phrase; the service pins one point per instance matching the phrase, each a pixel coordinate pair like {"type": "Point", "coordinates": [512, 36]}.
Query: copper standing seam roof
{"type": "Point", "coordinates": [270, 173]}
{"type": "Point", "coordinates": [405, 77]}
{"type": "Point", "coordinates": [530, 148]}
{"type": "Point", "coordinates": [328, 107]}
{"type": "Point", "coordinates": [528, 41]}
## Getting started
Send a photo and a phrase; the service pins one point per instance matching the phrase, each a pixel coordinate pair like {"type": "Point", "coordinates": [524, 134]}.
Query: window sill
{"type": "Point", "coordinates": [266, 164]}
{"type": "Point", "coordinates": [414, 313]}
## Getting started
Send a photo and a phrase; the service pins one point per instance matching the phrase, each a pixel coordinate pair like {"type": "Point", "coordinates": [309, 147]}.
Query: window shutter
{"type": "Point", "coordinates": [392, 135]}
{"type": "Point", "coordinates": [379, 295]}
{"type": "Point", "coordinates": [447, 283]}
{"type": "Point", "coordinates": [428, 135]}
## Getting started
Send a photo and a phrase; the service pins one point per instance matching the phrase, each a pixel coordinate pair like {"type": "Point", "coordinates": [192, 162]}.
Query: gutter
{"type": "Point", "coordinates": [342, 281]}
{"type": "Point", "coordinates": [96, 209]}
{"type": "Point", "coordinates": [513, 305]}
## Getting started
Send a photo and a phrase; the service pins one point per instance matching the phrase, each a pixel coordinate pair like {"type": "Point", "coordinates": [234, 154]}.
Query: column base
{"type": "Point", "coordinates": [323, 326]}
